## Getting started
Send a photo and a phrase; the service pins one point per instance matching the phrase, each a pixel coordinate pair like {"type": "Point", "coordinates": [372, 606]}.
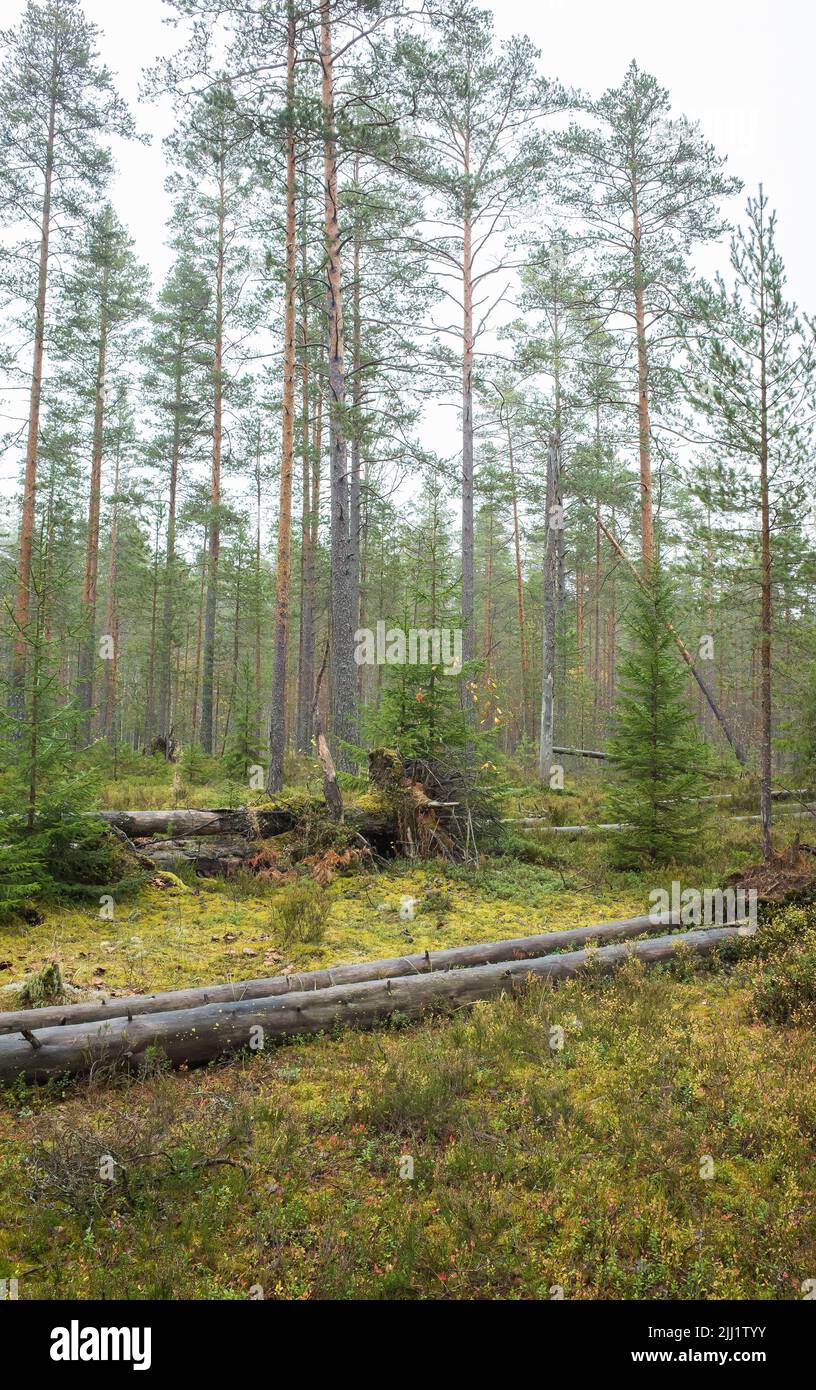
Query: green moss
{"type": "Point", "coordinates": [533, 1166]}
{"type": "Point", "coordinates": [164, 879]}
{"type": "Point", "coordinates": [372, 803]}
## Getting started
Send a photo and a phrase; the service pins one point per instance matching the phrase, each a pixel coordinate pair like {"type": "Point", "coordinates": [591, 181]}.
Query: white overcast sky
{"type": "Point", "coordinates": [743, 68]}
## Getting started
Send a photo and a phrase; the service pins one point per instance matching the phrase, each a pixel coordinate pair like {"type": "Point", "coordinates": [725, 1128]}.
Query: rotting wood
{"type": "Point", "coordinates": [182, 823]}
{"type": "Point", "coordinates": [331, 790]}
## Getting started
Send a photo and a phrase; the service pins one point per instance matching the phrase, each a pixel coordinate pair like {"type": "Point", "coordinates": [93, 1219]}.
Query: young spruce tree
{"type": "Point", "coordinates": [654, 749]}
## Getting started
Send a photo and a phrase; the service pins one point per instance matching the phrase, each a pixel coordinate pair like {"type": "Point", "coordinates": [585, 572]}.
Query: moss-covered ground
{"type": "Point", "coordinates": [666, 1150]}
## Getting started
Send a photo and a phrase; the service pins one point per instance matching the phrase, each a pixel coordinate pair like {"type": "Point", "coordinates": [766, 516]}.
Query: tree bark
{"type": "Point", "coordinates": [311, 509]}
{"type": "Point", "coordinates": [331, 790]}
{"type": "Point", "coordinates": [85, 682]}
{"type": "Point", "coordinates": [644, 423]}
{"type": "Point", "coordinates": [112, 614]}
{"type": "Point", "coordinates": [525, 713]}
{"type": "Point", "coordinates": [304, 693]}
{"type": "Point", "coordinates": [199, 630]}
{"type": "Point", "coordinates": [150, 702]}
{"type": "Point", "coordinates": [343, 587]}
{"type": "Point", "coordinates": [165, 718]}
{"type": "Point", "coordinates": [138, 825]}
{"type": "Point", "coordinates": [545, 755]}
{"type": "Point", "coordinates": [468, 576]}
{"type": "Point", "coordinates": [189, 1036]}
{"type": "Point", "coordinates": [765, 799]}
{"type": "Point", "coordinates": [258, 585]}
{"type": "Point", "coordinates": [417, 963]}
{"type": "Point", "coordinates": [208, 661]}
{"type": "Point", "coordinates": [278, 702]}
{"type": "Point", "coordinates": [23, 588]}
{"type": "Point", "coordinates": [357, 428]}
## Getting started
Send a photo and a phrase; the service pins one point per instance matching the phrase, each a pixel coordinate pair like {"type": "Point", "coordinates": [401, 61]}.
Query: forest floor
{"type": "Point", "coordinates": [533, 1170]}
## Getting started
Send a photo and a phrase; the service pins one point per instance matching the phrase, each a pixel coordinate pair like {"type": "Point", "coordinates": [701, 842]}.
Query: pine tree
{"type": "Point", "coordinates": [177, 380]}
{"type": "Point", "coordinates": [654, 748]}
{"type": "Point", "coordinates": [50, 847]}
{"type": "Point", "coordinates": [56, 100]}
{"type": "Point", "coordinates": [212, 150]}
{"type": "Point", "coordinates": [243, 749]}
{"type": "Point", "coordinates": [755, 369]}
{"type": "Point", "coordinates": [648, 186]}
{"type": "Point", "coordinates": [278, 704]}
{"type": "Point", "coordinates": [479, 109]}
{"type": "Point", "coordinates": [420, 709]}
{"type": "Point", "coordinates": [103, 299]}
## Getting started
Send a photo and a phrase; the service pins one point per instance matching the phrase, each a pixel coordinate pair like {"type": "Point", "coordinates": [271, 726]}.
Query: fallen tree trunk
{"type": "Point", "coordinates": [544, 824]}
{"type": "Point", "coordinates": [181, 823]}
{"type": "Point", "coordinates": [418, 963]}
{"type": "Point", "coordinates": [379, 829]}
{"type": "Point", "coordinates": [211, 856]}
{"type": "Point", "coordinates": [189, 1036]}
{"type": "Point", "coordinates": [579, 752]}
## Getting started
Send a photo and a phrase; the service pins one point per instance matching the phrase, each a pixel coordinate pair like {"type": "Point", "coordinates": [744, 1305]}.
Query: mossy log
{"type": "Point", "coordinates": [190, 1036]}
{"type": "Point", "coordinates": [211, 856]}
{"type": "Point", "coordinates": [180, 823]}
{"type": "Point", "coordinates": [251, 823]}
{"type": "Point", "coordinates": [418, 963]}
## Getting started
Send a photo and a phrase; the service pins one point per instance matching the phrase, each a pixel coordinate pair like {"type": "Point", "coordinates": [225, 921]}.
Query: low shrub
{"type": "Point", "coordinates": [45, 987]}
{"type": "Point", "coordinates": [785, 992]}
{"type": "Point", "coordinates": [301, 914]}
{"type": "Point", "coordinates": [436, 903]}
{"type": "Point", "coordinates": [782, 930]}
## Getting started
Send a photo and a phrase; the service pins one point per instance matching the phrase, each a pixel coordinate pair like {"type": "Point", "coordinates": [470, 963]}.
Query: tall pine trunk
{"type": "Point", "coordinates": [85, 673]}
{"type": "Point", "coordinates": [23, 588]}
{"type": "Point", "coordinates": [468, 584]}
{"type": "Point", "coordinates": [343, 582]}
{"type": "Point", "coordinates": [311, 485]}
{"type": "Point", "coordinates": [199, 631]}
{"type": "Point", "coordinates": [644, 423]}
{"type": "Point", "coordinates": [278, 711]}
{"type": "Point", "coordinates": [356, 438]}
{"type": "Point", "coordinates": [765, 800]}
{"type": "Point", "coordinates": [112, 614]}
{"type": "Point", "coordinates": [545, 756]}
{"type": "Point", "coordinates": [150, 703]}
{"type": "Point", "coordinates": [306, 634]}
{"type": "Point", "coordinates": [208, 660]}
{"type": "Point", "coordinates": [165, 714]}
{"type": "Point", "coordinates": [525, 714]}
{"type": "Point", "coordinates": [258, 584]}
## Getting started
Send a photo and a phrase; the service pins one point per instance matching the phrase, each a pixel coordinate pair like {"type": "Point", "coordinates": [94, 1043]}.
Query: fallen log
{"type": "Point", "coordinates": [543, 823]}
{"type": "Point", "coordinates": [378, 828]}
{"type": "Point", "coordinates": [418, 963]}
{"type": "Point", "coordinates": [182, 823]}
{"type": "Point", "coordinates": [190, 1036]}
{"type": "Point", "coordinates": [580, 752]}
{"type": "Point", "coordinates": [211, 856]}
